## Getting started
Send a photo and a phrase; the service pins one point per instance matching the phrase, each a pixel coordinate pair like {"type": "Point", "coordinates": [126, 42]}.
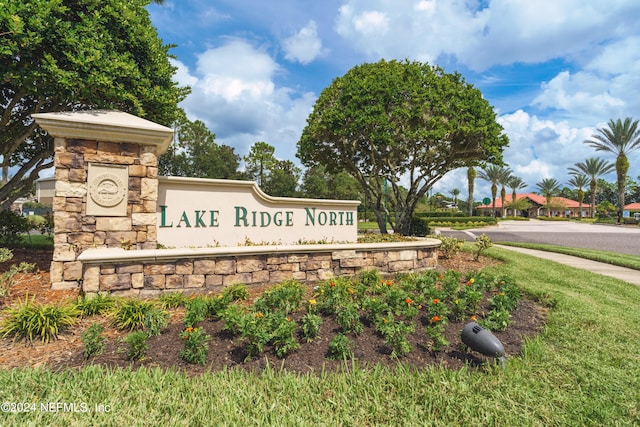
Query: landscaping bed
{"type": "Point", "coordinates": [368, 347]}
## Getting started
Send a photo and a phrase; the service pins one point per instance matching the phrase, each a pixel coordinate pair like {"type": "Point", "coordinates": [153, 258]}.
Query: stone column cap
{"type": "Point", "coordinates": [105, 125]}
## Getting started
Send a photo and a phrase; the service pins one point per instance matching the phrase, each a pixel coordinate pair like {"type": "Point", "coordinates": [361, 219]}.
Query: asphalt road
{"type": "Point", "coordinates": [613, 238]}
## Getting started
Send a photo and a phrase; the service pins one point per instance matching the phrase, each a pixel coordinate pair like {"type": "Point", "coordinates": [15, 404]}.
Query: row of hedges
{"type": "Point", "coordinates": [420, 225]}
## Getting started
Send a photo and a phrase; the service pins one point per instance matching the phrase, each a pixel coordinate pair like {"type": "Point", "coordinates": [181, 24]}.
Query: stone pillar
{"type": "Point", "coordinates": [106, 171]}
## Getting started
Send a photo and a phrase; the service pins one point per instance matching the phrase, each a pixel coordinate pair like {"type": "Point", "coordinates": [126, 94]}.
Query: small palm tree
{"type": "Point", "coordinates": [579, 182]}
{"type": "Point", "coordinates": [594, 168]}
{"type": "Point", "coordinates": [503, 180]}
{"type": "Point", "coordinates": [515, 183]}
{"type": "Point", "coordinates": [493, 174]}
{"type": "Point", "coordinates": [619, 138]}
{"type": "Point", "coordinates": [471, 178]}
{"type": "Point", "coordinates": [548, 187]}
{"type": "Point", "coordinates": [455, 193]}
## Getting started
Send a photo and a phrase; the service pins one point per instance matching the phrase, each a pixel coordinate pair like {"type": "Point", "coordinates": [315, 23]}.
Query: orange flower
{"type": "Point", "coordinates": [436, 301]}
{"type": "Point", "coordinates": [189, 330]}
{"type": "Point", "coordinates": [409, 301]}
{"type": "Point", "coordinates": [258, 315]}
{"type": "Point", "coordinates": [435, 319]}
{"type": "Point", "coordinates": [332, 284]}
{"type": "Point", "coordinates": [473, 318]}
{"type": "Point", "coordinates": [350, 290]}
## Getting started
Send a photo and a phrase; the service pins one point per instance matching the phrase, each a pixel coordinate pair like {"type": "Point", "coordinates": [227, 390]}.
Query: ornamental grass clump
{"type": "Point", "coordinates": [29, 319]}
{"type": "Point", "coordinates": [100, 303]}
{"type": "Point", "coordinates": [130, 314]}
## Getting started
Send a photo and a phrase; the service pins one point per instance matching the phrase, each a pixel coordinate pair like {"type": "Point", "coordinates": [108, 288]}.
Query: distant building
{"type": "Point", "coordinates": [560, 207]}
{"type": "Point", "coordinates": [45, 190]}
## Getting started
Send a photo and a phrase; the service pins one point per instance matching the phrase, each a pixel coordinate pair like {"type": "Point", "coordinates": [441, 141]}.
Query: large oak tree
{"type": "Point", "coordinates": [65, 55]}
{"type": "Point", "coordinates": [400, 121]}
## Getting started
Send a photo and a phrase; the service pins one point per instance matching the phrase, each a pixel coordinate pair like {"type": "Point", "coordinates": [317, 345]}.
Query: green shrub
{"type": "Point", "coordinates": [196, 345]}
{"type": "Point", "coordinates": [285, 297]}
{"type": "Point", "coordinates": [136, 345]}
{"type": "Point", "coordinates": [12, 226]}
{"type": "Point", "coordinates": [282, 338]}
{"type": "Point", "coordinates": [340, 348]}
{"type": "Point", "coordinates": [311, 326]}
{"type": "Point", "coordinates": [237, 292]}
{"type": "Point", "coordinates": [419, 226]}
{"type": "Point", "coordinates": [155, 321]}
{"type": "Point", "coordinates": [93, 340]}
{"type": "Point", "coordinates": [450, 246]}
{"type": "Point", "coordinates": [29, 319]}
{"type": "Point", "coordinates": [14, 275]}
{"type": "Point", "coordinates": [197, 310]}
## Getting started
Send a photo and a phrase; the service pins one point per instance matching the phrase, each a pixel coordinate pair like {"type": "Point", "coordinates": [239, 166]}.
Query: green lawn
{"type": "Point", "coordinates": [622, 260]}
{"type": "Point", "coordinates": [583, 370]}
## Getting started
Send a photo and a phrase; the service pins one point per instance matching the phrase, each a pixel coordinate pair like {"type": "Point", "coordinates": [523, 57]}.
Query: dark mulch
{"type": "Point", "coordinates": [226, 351]}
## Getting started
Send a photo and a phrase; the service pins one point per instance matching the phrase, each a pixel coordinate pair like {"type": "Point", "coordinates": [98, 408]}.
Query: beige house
{"type": "Point", "coordinates": [45, 190]}
{"type": "Point", "coordinates": [560, 207]}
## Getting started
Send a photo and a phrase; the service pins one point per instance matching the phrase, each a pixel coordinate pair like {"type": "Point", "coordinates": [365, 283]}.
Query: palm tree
{"type": "Point", "coordinates": [579, 182]}
{"type": "Point", "coordinates": [549, 187]}
{"type": "Point", "coordinates": [503, 180]}
{"type": "Point", "coordinates": [594, 168]}
{"type": "Point", "coordinates": [619, 138]}
{"type": "Point", "coordinates": [455, 193]}
{"type": "Point", "coordinates": [471, 177]}
{"type": "Point", "coordinates": [515, 183]}
{"type": "Point", "coordinates": [492, 174]}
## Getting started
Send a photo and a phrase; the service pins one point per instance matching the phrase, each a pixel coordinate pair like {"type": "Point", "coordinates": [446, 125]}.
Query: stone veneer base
{"type": "Point", "coordinates": [149, 272]}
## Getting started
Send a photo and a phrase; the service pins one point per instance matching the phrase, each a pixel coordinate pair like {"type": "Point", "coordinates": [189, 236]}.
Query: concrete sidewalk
{"type": "Point", "coordinates": [627, 274]}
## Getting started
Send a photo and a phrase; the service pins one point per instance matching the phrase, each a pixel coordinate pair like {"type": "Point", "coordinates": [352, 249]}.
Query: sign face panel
{"type": "Point", "coordinates": [486, 201]}
{"type": "Point", "coordinates": [213, 212]}
{"type": "Point", "coordinates": [108, 189]}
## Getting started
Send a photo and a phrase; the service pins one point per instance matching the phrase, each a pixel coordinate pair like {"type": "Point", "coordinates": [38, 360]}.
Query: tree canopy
{"type": "Point", "coordinates": [398, 120]}
{"type": "Point", "coordinates": [196, 154]}
{"type": "Point", "coordinates": [63, 55]}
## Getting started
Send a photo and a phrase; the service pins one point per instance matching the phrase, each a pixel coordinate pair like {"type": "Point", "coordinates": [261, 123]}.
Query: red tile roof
{"type": "Point", "coordinates": [632, 207]}
{"type": "Point", "coordinates": [538, 199]}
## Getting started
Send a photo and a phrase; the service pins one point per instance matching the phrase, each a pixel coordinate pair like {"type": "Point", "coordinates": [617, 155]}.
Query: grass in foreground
{"type": "Point", "coordinates": [584, 370]}
{"type": "Point", "coordinates": [613, 258]}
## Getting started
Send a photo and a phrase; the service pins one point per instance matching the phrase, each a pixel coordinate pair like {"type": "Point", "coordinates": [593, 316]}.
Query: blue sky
{"type": "Point", "coordinates": [554, 70]}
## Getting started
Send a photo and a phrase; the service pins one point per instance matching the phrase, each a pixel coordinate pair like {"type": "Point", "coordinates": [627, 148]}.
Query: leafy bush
{"type": "Point", "coordinates": [450, 246]}
{"type": "Point", "coordinates": [136, 345]}
{"type": "Point", "coordinates": [311, 326]}
{"type": "Point", "coordinates": [340, 348]}
{"type": "Point", "coordinates": [419, 226]}
{"type": "Point", "coordinates": [197, 310]}
{"type": "Point", "coordinates": [196, 345]}
{"type": "Point", "coordinates": [29, 319]}
{"type": "Point", "coordinates": [155, 321]}
{"type": "Point", "coordinates": [93, 340]}
{"type": "Point", "coordinates": [12, 226]}
{"type": "Point", "coordinates": [285, 297]}
{"type": "Point", "coordinates": [14, 275]}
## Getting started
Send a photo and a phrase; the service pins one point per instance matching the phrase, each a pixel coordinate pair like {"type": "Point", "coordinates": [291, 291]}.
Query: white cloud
{"type": "Point", "coordinates": [503, 32]}
{"type": "Point", "coordinates": [234, 93]}
{"type": "Point", "coordinates": [304, 46]}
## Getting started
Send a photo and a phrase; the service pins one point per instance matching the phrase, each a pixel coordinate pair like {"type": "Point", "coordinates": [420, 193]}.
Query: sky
{"type": "Point", "coordinates": [554, 70]}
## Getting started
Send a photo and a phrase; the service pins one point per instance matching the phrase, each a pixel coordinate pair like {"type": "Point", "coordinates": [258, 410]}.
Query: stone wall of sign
{"type": "Point", "coordinates": [106, 219]}
{"type": "Point", "coordinates": [209, 270]}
